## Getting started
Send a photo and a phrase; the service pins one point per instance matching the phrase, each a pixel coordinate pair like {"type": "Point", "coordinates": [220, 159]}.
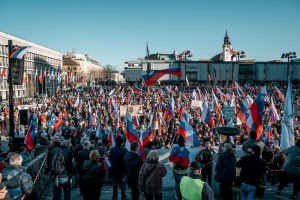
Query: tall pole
{"type": "Point", "coordinates": [288, 68]}
{"type": "Point", "coordinates": [238, 78]}
{"type": "Point", "coordinates": [185, 65]}
{"type": "Point", "coordinates": [11, 94]}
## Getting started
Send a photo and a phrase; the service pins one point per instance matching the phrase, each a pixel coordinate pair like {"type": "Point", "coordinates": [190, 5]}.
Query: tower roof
{"type": "Point", "coordinates": [226, 39]}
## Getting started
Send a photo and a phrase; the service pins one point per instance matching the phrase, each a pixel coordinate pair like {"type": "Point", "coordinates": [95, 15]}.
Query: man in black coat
{"type": "Point", "coordinates": [82, 156]}
{"type": "Point", "coordinates": [253, 169]}
{"type": "Point", "coordinates": [118, 168]}
{"type": "Point", "coordinates": [133, 164]}
{"type": "Point", "coordinates": [63, 179]}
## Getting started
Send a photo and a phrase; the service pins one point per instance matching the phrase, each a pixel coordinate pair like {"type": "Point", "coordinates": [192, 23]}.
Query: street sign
{"type": "Point", "coordinates": [229, 113]}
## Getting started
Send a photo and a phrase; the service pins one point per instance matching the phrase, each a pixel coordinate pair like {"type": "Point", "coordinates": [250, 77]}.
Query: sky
{"type": "Point", "coordinates": [115, 31]}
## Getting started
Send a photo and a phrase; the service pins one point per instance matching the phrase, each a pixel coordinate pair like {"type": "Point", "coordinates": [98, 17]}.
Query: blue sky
{"type": "Point", "coordinates": [115, 31]}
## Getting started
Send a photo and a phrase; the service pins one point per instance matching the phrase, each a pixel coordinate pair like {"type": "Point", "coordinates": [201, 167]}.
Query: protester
{"type": "Point", "coordinates": [61, 168]}
{"type": "Point", "coordinates": [205, 158]}
{"type": "Point", "coordinates": [93, 174]}
{"type": "Point", "coordinates": [247, 145]}
{"type": "Point", "coordinates": [180, 158]}
{"type": "Point", "coordinates": [118, 168]}
{"type": "Point", "coordinates": [150, 177]}
{"type": "Point", "coordinates": [133, 163]}
{"type": "Point", "coordinates": [253, 170]}
{"type": "Point", "coordinates": [82, 156]}
{"type": "Point", "coordinates": [226, 170]}
{"type": "Point", "coordinates": [25, 155]}
{"type": "Point", "coordinates": [192, 186]}
{"type": "Point", "coordinates": [291, 170]}
{"type": "Point", "coordinates": [14, 175]}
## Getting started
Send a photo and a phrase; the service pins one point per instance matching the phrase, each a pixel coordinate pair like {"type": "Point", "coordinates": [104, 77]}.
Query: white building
{"type": "Point", "coordinates": [88, 66]}
{"type": "Point", "coordinates": [38, 57]}
{"type": "Point", "coordinates": [117, 77]}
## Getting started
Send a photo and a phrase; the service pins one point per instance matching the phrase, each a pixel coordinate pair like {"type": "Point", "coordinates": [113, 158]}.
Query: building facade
{"type": "Point", "coordinates": [88, 70]}
{"type": "Point", "coordinates": [37, 60]}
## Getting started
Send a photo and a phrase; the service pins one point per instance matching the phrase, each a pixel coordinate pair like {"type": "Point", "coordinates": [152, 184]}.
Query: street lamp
{"type": "Point", "coordinates": [185, 54]}
{"type": "Point", "coordinates": [288, 56]}
{"type": "Point", "coordinates": [238, 55]}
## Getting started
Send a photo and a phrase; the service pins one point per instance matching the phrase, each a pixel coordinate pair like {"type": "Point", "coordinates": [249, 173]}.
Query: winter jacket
{"type": "Point", "coordinates": [151, 182]}
{"type": "Point", "coordinates": [226, 166]}
{"type": "Point", "coordinates": [133, 163]}
{"type": "Point", "coordinates": [252, 169]}
{"type": "Point", "coordinates": [193, 187]}
{"type": "Point", "coordinates": [248, 144]}
{"type": "Point", "coordinates": [116, 156]}
{"type": "Point", "coordinates": [82, 156]}
{"type": "Point", "coordinates": [292, 162]}
{"type": "Point", "coordinates": [204, 156]}
{"type": "Point", "coordinates": [24, 180]}
{"type": "Point", "coordinates": [93, 173]}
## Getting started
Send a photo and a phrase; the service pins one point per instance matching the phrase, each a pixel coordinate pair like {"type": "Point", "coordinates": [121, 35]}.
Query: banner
{"type": "Point", "coordinates": [123, 111]}
{"type": "Point", "coordinates": [229, 113]}
{"type": "Point", "coordinates": [196, 104]}
{"type": "Point", "coordinates": [134, 110]}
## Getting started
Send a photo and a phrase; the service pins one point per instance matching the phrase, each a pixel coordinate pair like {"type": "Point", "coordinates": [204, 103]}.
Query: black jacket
{"type": "Point", "coordinates": [82, 156]}
{"type": "Point", "coordinates": [204, 156]}
{"type": "Point", "coordinates": [226, 166]}
{"type": "Point", "coordinates": [252, 169]}
{"type": "Point", "coordinates": [116, 156]}
{"type": "Point", "coordinates": [23, 179]}
{"type": "Point", "coordinates": [133, 164]}
{"type": "Point", "coordinates": [93, 173]}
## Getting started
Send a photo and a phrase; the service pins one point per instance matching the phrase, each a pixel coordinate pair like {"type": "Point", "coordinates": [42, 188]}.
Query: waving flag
{"type": "Point", "coordinates": [170, 109]}
{"type": "Point", "coordinates": [40, 77]}
{"type": "Point", "coordinates": [280, 95]}
{"type": "Point", "coordinates": [244, 112]}
{"type": "Point", "coordinates": [132, 134]}
{"type": "Point", "coordinates": [287, 131]}
{"type": "Point", "coordinates": [111, 140]}
{"type": "Point", "coordinates": [180, 156]}
{"type": "Point", "coordinates": [274, 114]}
{"type": "Point", "coordinates": [111, 92]}
{"type": "Point", "coordinates": [189, 134]}
{"type": "Point", "coordinates": [206, 114]}
{"type": "Point", "coordinates": [215, 103]}
{"type": "Point", "coordinates": [151, 76]}
{"type": "Point", "coordinates": [269, 132]}
{"type": "Point", "coordinates": [19, 52]}
{"type": "Point", "coordinates": [98, 129]}
{"type": "Point", "coordinates": [239, 90]}
{"type": "Point", "coordinates": [186, 116]}
{"type": "Point", "coordinates": [187, 81]}
{"type": "Point", "coordinates": [29, 139]}
{"type": "Point", "coordinates": [254, 121]}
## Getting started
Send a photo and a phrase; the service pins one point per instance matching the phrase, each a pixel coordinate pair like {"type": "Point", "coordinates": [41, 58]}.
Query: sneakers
{"type": "Point", "coordinates": [278, 192]}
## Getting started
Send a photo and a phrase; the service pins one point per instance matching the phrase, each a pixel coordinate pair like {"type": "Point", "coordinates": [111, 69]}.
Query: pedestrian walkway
{"type": "Point", "coordinates": [106, 194]}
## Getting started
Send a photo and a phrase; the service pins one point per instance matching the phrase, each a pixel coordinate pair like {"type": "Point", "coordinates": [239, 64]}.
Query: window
{"type": "Point", "coordinates": [227, 50]}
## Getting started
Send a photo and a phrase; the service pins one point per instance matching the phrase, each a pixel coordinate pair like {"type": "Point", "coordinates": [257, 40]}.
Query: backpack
{"type": "Point", "coordinates": [58, 163]}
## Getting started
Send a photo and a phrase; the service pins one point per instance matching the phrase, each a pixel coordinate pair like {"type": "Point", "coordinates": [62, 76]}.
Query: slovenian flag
{"type": "Point", "coordinates": [29, 139]}
{"type": "Point", "coordinates": [254, 121]}
{"type": "Point", "coordinates": [274, 114]}
{"type": "Point", "coordinates": [170, 109]}
{"type": "Point", "coordinates": [206, 114]}
{"type": "Point", "coordinates": [19, 52]}
{"type": "Point", "coordinates": [189, 134]}
{"type": "Point", "coordinates": [215, 103]}
{"type": "Point", "coordinates": [151, 76]}
{"type": "Point", "coordinates": [244, 112]}
{"type": "Point", "coordinates": [180, 156]}
{"type": "Point", "coordinates": [239, 90]}
{"type": "Point", "coordinates": [132, 134]}
{"type": "Point", "coordinates": [280, 95]}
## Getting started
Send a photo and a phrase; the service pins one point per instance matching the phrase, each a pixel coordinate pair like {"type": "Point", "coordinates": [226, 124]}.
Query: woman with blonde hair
{"type": "Point", "coordinates": [93, 174]}
{"type": "Point", "coordinates": [150, 177]}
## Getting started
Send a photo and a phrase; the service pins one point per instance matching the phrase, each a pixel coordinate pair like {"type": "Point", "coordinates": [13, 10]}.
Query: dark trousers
{"type": "Point", "coordinates": [206, 174]}
{"type": "Point", "coordinates": [226, 189]}
{"type": "Point", "coordinates": [178, 178]}
{"type": "Point", "coordinates": [92, 192]}
{"type": "Point", "coordinates": [57, 191]}
{"type": "Point", "coordinates": [150, 197]}
{"type": "Point", "coordinates": [118, 181]}
{"type": "Point", "coordinates": [286, 178]}
{"type": "Point", "coordinates": [135, 194]}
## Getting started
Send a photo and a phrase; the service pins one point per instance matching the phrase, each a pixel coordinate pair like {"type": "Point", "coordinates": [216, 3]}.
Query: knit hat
{"type": "Point", "coordinates": [195, 165]}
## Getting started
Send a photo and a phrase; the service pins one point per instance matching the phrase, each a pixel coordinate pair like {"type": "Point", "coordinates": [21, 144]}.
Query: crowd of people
{"type": "Point", "coordinates": [88, 140]}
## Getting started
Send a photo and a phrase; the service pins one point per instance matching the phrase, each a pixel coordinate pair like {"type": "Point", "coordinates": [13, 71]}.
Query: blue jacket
{"type": "Point", "coordinates": [226, 166]}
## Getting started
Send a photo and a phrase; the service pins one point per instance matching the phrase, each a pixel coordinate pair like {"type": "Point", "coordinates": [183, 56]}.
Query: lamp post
{"type": "Point", "coordinates": [185, 54]}
{"type": "Point", "coordinates": [238, 55]}
{"type": "Point", "coordinates": [11, 96]}
{"type": "Point", "coordinates": [288, 56]}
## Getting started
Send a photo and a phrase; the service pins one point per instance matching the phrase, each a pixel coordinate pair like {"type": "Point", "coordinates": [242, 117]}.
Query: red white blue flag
{"type": "Point", "coordinates": [29, 139]}
{"type": "Point", "coordinates": [19, 52]}
{"type": "Point", "coordinates": [151, 76]}
{"type": "Point", "coordinates": [239, 90]}
{"type": "Point", "coordinates": [189, 134]}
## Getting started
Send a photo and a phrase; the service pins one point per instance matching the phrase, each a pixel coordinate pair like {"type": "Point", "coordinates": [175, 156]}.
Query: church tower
{"type": "Point", "coordinates": [227, 49]}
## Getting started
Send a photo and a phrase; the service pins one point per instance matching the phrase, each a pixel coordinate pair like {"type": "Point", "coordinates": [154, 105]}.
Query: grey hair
{"type": "Point", "coordinates": [228, 146]}
{"type": "Point", "coordinates": [153, 156]}
{"type": "Point", "coordinates": [86, 145]}
{"type": "Point", "coordinates": [16, 160]}
{"type": "Point", "coordinates": [83, 140]}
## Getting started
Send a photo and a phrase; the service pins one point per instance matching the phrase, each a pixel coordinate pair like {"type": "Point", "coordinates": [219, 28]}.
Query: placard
{"type": "Point", "coordinates": [196, 104]}
{"type": "Point", "coordinates": [229, 113]}
{"type": "Point", "coordinates": [123, 110]}
{"type": "Point", "coordinates": [134, 110]}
